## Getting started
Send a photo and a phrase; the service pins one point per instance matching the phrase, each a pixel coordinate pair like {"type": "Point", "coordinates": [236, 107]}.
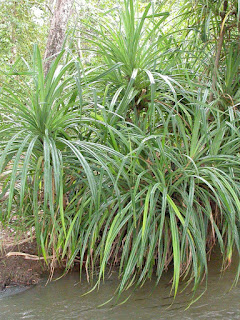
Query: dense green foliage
{"type": "Point", "coordinates": [134, 160]}
{"type": "Point", "coordinates": [22, 25]}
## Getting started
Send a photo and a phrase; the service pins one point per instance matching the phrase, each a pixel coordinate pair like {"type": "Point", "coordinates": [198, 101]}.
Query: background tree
{"type": "Point", "coordinates": [58, 27]}
{"type": "Point", "coordinates": [21, 29]}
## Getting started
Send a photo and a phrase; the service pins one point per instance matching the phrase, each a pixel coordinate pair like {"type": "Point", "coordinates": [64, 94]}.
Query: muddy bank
{"type": "Point", "coordinates": [19, 264]}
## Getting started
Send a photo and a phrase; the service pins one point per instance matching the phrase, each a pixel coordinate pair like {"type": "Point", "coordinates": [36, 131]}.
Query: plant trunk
{"type": "Point", "coordinates": [58, 27]}
{"type": "Point", "coordinates": [219, 49]}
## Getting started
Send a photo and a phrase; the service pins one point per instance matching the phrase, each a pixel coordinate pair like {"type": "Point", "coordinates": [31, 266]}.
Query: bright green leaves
{"type": "Point", "coordinates": [45, 144]}
{"type": "Point", "coordinates": [135, 44]}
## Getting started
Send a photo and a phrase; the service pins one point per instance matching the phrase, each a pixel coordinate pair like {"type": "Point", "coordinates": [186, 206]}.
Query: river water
{"type": "Point", "coordinates": [64, 299]}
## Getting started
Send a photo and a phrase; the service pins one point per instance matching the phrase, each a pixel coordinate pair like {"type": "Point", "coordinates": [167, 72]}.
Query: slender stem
{"type": "Point", "coordinates": [219, 49]}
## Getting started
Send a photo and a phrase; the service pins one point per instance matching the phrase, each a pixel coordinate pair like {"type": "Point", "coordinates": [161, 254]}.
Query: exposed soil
{"type": "Point", "coordinates": [19, 264]}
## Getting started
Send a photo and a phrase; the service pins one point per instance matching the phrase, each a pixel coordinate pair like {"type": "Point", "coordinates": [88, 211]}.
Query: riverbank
{"type": "Point", "coordinates": [19, 262]}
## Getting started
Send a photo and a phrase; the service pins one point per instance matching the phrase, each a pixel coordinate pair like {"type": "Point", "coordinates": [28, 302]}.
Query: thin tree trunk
{"type": "Point", "coordinates": [57, 30]}
{"type": "Point", "coordinates": [219, 49]}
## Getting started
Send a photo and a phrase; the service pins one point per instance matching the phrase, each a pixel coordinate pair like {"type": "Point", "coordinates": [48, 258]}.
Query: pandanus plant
{"type": "Point", "coordinates": [46, 144]}
{"type": "Point", "coordinates": [183, 202]}
{"type": "Point", "coordinates": [135, 48]}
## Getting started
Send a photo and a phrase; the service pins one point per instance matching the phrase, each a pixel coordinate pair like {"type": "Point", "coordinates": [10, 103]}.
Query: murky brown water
{"type": "Point", "coordinates": [63, 299]}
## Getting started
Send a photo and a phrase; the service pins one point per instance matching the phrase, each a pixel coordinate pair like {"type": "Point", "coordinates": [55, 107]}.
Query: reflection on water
{"type": "Point", "coordinates": [10, 291]}
{"type": "Point", "coordinates": [63, 299]}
